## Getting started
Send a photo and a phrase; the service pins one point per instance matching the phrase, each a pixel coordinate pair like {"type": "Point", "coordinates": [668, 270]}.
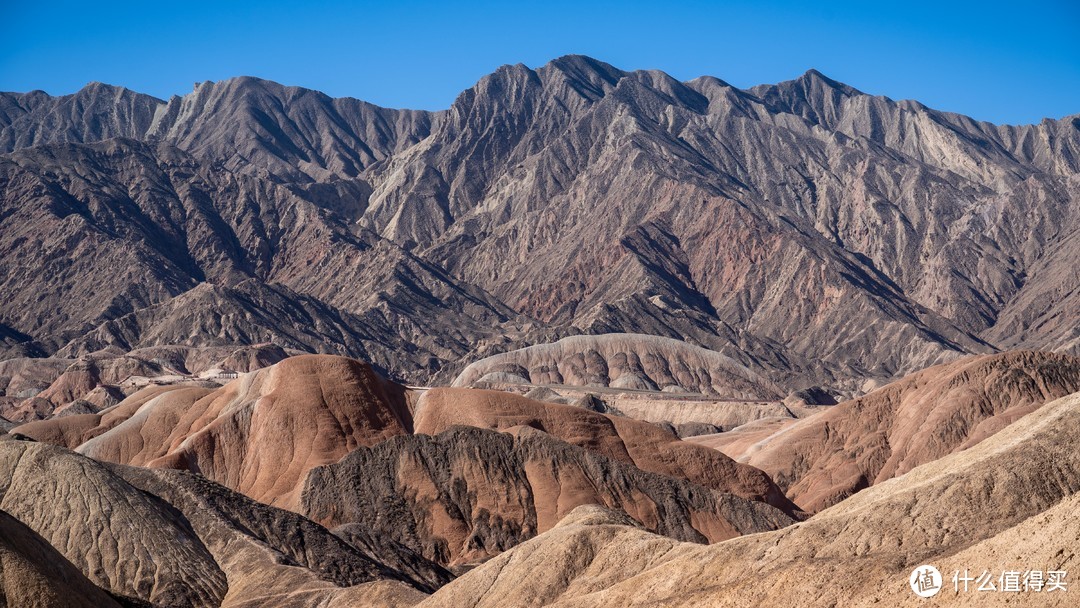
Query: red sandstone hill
{"type": "Point", "coordinates": [943, 409]}
{"type": "Point", "coordinates": [260, 434]}
{"type": "Point", "coordinates": [287, 435]}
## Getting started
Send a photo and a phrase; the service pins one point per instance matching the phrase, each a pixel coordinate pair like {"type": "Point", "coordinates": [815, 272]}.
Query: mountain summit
{"type": "Point", "coordinates": [808, 231]}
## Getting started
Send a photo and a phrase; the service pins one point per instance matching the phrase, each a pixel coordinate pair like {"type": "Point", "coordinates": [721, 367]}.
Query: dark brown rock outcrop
{"type": "Point", "coordinates": [633, 442]}
{"type": "Point", "coordinates": [467, 494]}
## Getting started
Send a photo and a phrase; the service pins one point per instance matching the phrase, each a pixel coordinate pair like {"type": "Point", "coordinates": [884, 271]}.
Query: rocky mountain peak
{"type": "Point", "coordinates": [757, 223]}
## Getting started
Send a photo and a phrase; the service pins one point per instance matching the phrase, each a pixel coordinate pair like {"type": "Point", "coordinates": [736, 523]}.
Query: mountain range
{"type": "Point", "coordinates": [811, 233]}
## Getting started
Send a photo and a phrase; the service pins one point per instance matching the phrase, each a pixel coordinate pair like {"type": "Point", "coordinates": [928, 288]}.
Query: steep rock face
{"type": "Point", "coordinates": [781, 211]}
{"type": "Point", "coordinates": [249, 124]}
{"type": "Point", "coordinates": [467, 494]}
{"type": "Point", "coordinates": [97, 112]}
{"type": "Point", "coordinates": [35, 575]}
{"type": "Point", "coordinates": [959, 512]}
{"type": "Point", "coordinates": [257, 126]}
{"type": "Point", "coordinates": [822, 459]}
{"type": "Point", "coordinates": [625, 361]}
{"type": "Point", "coordinates": [641, 444]}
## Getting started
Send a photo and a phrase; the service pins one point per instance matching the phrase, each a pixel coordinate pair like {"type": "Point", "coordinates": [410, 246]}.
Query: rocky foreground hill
{"type": "Point", "coordinates": [809, 232]}
{"type": "Point", "coordinates": [315, 481]}
{"type": "Point", "coordinates": [1008, 503]}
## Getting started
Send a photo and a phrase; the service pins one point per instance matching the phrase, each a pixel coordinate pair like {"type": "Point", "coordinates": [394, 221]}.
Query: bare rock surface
{"type": "Point", "coordinates": [664, 408]}
{"type": "Point", "coordinates": [73, 431]}
{"type": "Point", "coordinates": [962, 511]}
{"type": "Point", "coordinates": [196, 360]}
{"type": "Point", "coordinates": [209, 258]}
{"type": "Point", "coordinates": [22, 374]}
{"type": "Point", "coordinates": [261, 433]}
{"type": "Point", "coordinates": [808, 231]}
{"type": "Point", "coordinates": [273, 552]}
{"type": "Point", "coordinates": [688, 410]}
{"type": "Point", "coordinates": [122, 540]}
{"type": "Point", "coordinates": [641, 444]}
{"type": "Point", "coordinates": [99, 379]}
{"type": "Point", "coordinates": [943, 409]}
{"type": "Point", "coordinates": [742, 441]}
{"type": "Point", "coordinates": [467, 494]}
{"type": "Point", "coordinates": [170, 538]}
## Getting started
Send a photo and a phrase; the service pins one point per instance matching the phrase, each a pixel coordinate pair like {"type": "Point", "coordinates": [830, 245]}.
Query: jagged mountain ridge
{"type": "Point", "coordinates": [805, 229]}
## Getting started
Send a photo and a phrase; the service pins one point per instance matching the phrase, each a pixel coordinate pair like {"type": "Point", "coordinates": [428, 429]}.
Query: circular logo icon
{"type": "Point", "coordinates": [925, 581]}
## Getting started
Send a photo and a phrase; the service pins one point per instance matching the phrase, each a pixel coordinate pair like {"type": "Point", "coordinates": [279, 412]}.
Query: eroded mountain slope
{"type": "Point", "coordinates": [806, 229]}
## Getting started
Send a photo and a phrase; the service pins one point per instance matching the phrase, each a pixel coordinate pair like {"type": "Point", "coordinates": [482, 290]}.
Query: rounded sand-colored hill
{"type": "Point", "coordinates": [1009, 502]}
{"type": "Point", "coordinates": [73, 431]}
{"type": "Point", "coordinates": [260, 434]}
{"type": "Point", "coordinates": [642, 444]}
{"type": "Point", "coordinates": [34, 575]}
{"type": "Point", "coordinates": [943, 409]}
{"type": "Point", "coordinates": [624, 361]}
{"type": "Point", "coordinates": [175, 540]}
{"type": "Point", "coordinates": [122, 540]}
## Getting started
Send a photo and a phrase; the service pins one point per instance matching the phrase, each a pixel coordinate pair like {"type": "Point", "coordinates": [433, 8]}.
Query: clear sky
{"type": "Point", "coordinates": [1007, 62]}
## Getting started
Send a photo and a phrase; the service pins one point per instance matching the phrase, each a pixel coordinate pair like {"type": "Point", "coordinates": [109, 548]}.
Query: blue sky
{"type": "Point", "coordinates": [1004, 62]}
